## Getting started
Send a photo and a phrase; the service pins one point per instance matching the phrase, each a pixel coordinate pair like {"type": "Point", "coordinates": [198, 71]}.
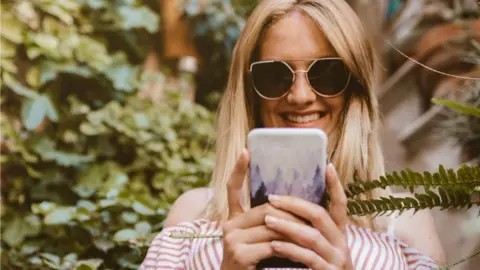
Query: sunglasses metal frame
{"type": "Point", "coordinates": [295, 73]}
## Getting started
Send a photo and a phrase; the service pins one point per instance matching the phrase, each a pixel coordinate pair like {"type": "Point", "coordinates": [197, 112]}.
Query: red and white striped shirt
{"type": "Point", "coordinates": [369, 249]}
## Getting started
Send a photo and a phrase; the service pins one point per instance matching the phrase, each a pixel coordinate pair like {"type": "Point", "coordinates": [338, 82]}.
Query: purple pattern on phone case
{"type": "Point", "coordinates": [310, 186]}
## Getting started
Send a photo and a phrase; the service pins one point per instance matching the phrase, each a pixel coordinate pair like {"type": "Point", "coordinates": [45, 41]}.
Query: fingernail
{"type": "Point", "coordinates": [273, 198]}
{"type": "Point", "coordinates": [276, 245]}
{"type": "Point", "coordinates": [332, 168]}
{"type": "Point", "coordinates": [270, 219]}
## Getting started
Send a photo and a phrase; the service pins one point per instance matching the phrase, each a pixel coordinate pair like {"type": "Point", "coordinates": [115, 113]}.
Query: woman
{"type": "Point", "coordinates": [298, 63]}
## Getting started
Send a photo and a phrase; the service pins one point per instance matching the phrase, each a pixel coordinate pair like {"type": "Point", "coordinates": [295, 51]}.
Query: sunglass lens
{"type": "Point", "coordinates": [272, 79]}
{"type": "Point", "coordinates": [328, 76]}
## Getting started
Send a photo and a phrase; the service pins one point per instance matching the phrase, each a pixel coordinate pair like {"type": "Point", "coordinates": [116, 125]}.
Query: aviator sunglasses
{"type": "Point", "coordinates": [328, 77]}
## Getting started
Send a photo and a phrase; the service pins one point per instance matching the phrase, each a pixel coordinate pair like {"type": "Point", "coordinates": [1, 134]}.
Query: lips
{"type": "Point", "coordinates": [303, 118]}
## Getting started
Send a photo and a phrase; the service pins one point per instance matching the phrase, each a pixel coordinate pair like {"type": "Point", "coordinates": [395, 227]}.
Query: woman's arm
{"type": "Point", "coordinates": [419, 232]}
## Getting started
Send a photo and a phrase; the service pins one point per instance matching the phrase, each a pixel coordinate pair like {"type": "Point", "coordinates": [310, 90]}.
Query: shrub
{"type": "Point", "coordinates": [89, 168]}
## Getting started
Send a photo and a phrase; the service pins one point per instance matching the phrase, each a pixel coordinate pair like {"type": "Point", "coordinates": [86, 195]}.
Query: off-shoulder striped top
{"type": "Point", "coordinates": [369, 249]}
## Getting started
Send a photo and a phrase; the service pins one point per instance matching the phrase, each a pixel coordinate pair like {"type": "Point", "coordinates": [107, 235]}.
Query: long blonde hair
{"type": "Point", "coordinates": [353, 148]}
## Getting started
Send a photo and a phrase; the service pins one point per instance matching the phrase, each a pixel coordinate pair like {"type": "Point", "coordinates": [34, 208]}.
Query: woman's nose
{"type": "Point", "coordinates": [301, 93]}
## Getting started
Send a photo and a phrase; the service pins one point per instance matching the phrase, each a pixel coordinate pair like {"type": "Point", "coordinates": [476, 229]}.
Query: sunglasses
{"type": "Point", "coordinates": [328, 77]}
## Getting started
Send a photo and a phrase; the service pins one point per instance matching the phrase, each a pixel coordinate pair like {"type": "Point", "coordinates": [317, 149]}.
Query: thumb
{"type": "Point", "coordinates": [235, 183]}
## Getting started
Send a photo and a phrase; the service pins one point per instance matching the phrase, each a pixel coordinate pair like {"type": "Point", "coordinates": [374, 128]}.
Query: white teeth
{"type": "Point", "coordinates": [304, 118]}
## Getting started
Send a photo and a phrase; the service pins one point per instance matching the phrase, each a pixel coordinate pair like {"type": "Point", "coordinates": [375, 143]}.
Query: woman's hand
{"type": "Point", "coordinates": [246, 238]}
{"type": "Point", "coordinates": [322, 245]}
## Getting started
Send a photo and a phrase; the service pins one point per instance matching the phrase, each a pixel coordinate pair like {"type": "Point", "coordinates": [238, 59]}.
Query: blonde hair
{"type": "Point", "coordinates": [353, 148]}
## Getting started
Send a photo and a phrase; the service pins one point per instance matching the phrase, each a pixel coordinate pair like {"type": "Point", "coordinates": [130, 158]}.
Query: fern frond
{"type": "Point", "coordinates": [445, 199]}
{"type": "Point", "coordinates": [467, 110]}
{"type": "Point", "coordinates": [466, 179]}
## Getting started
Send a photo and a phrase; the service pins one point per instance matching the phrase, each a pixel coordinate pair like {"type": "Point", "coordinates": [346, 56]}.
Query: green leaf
{"type": "Point", "coordinates": [61, 13]}
{"type": "Point", "coordinates": [33, 112]}
{"type": "Point", "coordinates": [45, 41]}
{"type": "Point", "coordinates": [8, 48]}
{"type": "Point", "coordinates": [43, 208]}
{"type": "Point", "coordinates": [464, 109]}
{"type": "Point", "coordinates": [18, 88]}
{"type": "Point", "coordinates": [12, 28]}
{"type": "Point", "coordinates": [32, 76]}
{"type": "Point", "coordinates": [91, 264]}
{"type": "Point", "coordinates": [51, 260]}
{"type": "Point", "coordinates": [14, 232]}
{"type": "Point", "coordinates": [88, 205]}
{"type": "Point", "coordinates": [59, 216]}
{"type": "Point", "coordinates": [96, 4]}
{"type": "Point", "coordinates": [30, 247]}
{"type": "Point", "coordinates": [125, 235]}
{"type": "Point", "coordinates": [94, 53]}
{"type": "Point", "coordinates": [141, 120]}
{"type": "Point", "coordinates": [8, 65]}
{"type": "Point", "coordinates": [143, 209]}
{"type": "Point", "coordinates": [50, 70]}
{"type": "Point", "coordinates": [103, 245]}
{"type": "Point", "coordinates": [84, 192]}
{"type": "Point", "coordinates": [141, 17]}
{"type": "Point", "coordinates": [129, 217]}
{"type": "Point", "coordinates": [143, 228]}
{"type": "Point", "coordinates": [50, 109]}
{"type": "Point", "coordinates": [123, 77]}
{"type": "Point", "coordinates": [46, 149]}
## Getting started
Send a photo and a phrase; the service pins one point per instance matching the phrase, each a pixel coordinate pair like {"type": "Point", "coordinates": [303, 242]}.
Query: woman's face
{"type": "Point", "coordinates": [297, 37]}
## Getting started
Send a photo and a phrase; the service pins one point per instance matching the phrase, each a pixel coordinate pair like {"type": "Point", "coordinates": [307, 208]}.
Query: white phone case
{"type": "Point", "coordinates": [287, 161]}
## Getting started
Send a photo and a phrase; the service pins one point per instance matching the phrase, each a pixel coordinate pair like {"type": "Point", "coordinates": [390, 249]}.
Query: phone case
{"type": "Point", "coordinates": [287, 161]}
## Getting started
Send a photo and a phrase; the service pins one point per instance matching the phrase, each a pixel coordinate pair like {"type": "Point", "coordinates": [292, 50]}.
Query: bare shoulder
{"type": "Point", "coordinates": [419, 232]}
{"type": "Point", "coordinates": [188, 207]}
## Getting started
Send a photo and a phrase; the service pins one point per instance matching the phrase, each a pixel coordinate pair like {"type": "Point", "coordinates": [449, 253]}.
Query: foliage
{"type": "Point", "coordinates": [455, 190]}
{"type": "Point", "coordinates": [89, 168]}
{"type": "Point", "coordinates": [216, 29]}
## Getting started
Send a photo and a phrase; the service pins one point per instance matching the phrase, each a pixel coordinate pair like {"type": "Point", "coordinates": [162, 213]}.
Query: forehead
{"type": "Point", "coordinates": [295, 36]}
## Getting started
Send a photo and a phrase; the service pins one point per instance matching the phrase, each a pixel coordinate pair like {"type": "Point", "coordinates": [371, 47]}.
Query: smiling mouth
{"type": "Point", "coordinates": [303, 119]}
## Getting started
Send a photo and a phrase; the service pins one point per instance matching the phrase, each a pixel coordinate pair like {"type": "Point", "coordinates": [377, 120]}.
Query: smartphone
{"type": "Point", "coordinates": [287, 161]}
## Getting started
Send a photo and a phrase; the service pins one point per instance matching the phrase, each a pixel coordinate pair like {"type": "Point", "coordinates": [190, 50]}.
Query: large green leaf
{"type": "Point", "coordinates": [62, 215]}
{"type": "Point", "coordinates": [20, 227]}
{"type": "Point", "coordinates": [12, 28]}
{"type": "Point", "coordinates": [8, 48]}
{"type": "Point", "coordinates": [125, 235]}
{"type": "Point", "coordinates": [142, 17]}
{"type": "Point", "coordinates": [122, 75]}
{"type": "Point", "coordinates": [19, 88]}
{"type": "Point", "coordinates": [34, 112]}
{"type": "Point", "coordinates": [142, 209]}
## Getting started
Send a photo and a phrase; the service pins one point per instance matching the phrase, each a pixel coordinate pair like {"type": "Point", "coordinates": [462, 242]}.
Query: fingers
{"type": "Point", "coordinates": [338, 205]}
{"type": "Point", "coordinates": [259, 234]}
{"type": "Point", "coordinates": [314, 213]}
{"type": "Point", "coordinates": [234, 185]}
{"type": "Point", "coordinates": [304, 236]}
{"type": "Point", "coordinates": [300, 254]}
{"type": "Point", "coordinates": [248, 255]}
{"type": "Point", "coordinates": [256, 216]}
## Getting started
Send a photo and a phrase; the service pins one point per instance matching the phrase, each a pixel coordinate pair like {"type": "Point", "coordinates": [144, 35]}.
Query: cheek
{"type": "Point", "coordinates": [267, 112]}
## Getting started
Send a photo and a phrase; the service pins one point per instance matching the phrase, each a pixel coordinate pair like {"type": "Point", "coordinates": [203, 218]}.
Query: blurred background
{"type": "Point", "coordinates": [108, 111]}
